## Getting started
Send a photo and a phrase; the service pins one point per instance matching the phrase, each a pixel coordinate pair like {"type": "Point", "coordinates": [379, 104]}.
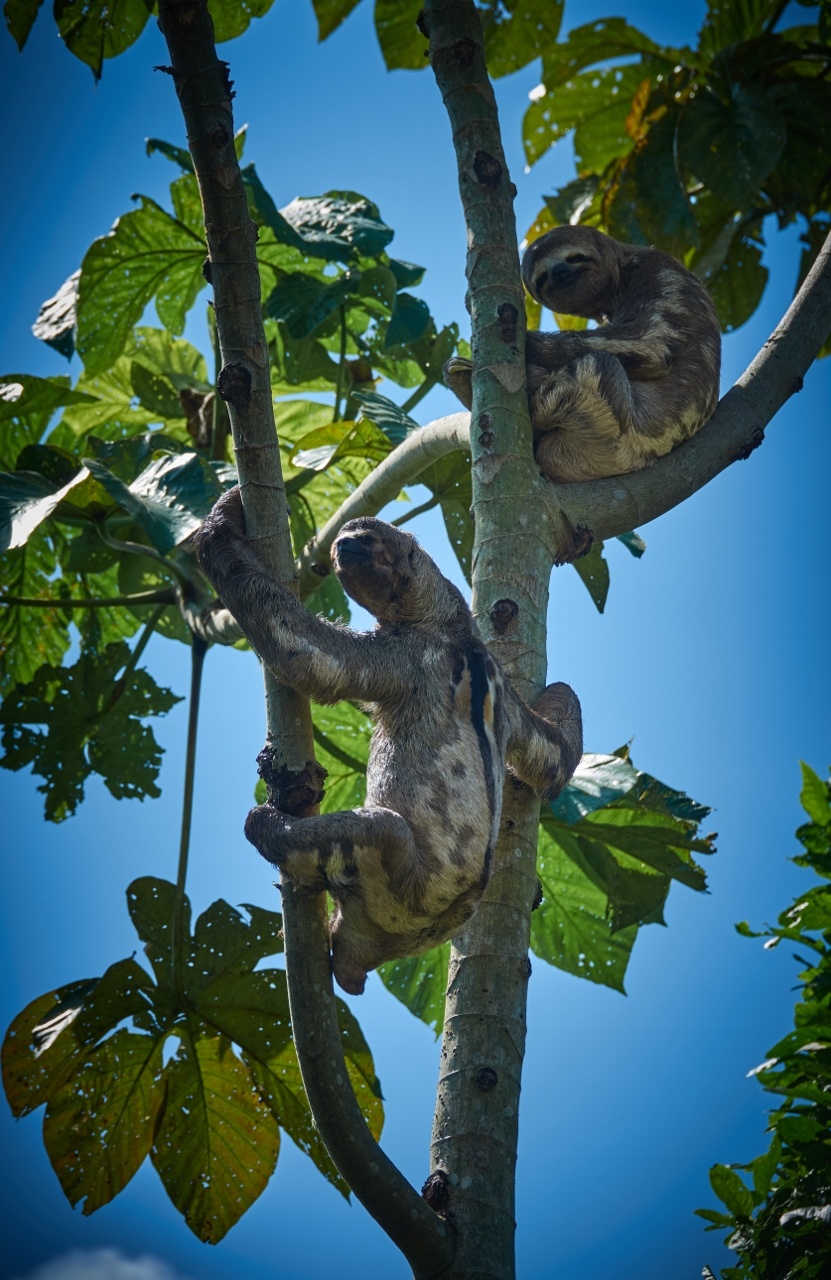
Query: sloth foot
{"type": "Point", "coordinates": [458, 374]}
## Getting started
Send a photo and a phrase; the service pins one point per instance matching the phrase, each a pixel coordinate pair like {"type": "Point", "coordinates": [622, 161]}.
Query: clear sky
{"type": "Point", "coordinates": [712, 655]}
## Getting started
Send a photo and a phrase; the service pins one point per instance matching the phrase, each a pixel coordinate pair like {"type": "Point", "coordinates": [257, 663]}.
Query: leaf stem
{"type": "Point", "coordinates": [133, 661]}
{"type": "Point", "coordinates": [416, 511]}
{"type": "Point", "coordinates": [341, 365]}
{"type": "Point", "coordinates": [141, 549]}
{"type": "Point", "coordinates": [198, 650]}
{"type": "Point", "coordinates": [420, 392]}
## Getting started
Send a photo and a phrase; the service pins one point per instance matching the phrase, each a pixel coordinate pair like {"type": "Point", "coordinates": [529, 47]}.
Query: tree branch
{"type": "Point", "coordinates": [294, 778]}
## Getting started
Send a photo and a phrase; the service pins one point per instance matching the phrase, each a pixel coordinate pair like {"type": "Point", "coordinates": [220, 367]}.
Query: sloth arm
{"type": "Point", "coordinates": [644, 358]}
{"type": "Point", "coordinates": [545, 742]}
{"type": "Point", "coordinates": [309, 654]}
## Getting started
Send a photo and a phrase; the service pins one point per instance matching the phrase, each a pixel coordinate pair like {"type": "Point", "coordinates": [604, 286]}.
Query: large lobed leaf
{"type": "Point", "coordinates": [209, 1113]}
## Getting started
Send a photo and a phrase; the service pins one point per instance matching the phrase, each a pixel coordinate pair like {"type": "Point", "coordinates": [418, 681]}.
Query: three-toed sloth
{"type": "Point", "coordinates": [612, 399]}
{"type": "Point", "coordinates": [410, 867]}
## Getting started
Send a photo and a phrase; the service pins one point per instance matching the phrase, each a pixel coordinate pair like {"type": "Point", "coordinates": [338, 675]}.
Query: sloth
{"type": "Point", "coordinates": [612, 399]}
{"type": "Point", "coordinates": [408, 869]}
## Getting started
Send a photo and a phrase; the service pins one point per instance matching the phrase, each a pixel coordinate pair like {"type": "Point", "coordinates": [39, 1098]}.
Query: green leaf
{"type": "Point", "coordinates": [732, 21]}
{"type": "Point", "coordinates": [738, 285]}
{"type": "Point", "coordinates": [97, 29]}
{"type": "Point", "coordinates": [730, 1189]}
{"type": "Point", "coordinates": [218, 1142]}
{"type": "Point", "coordinates": [814, 796]}
{"type": "Point", "coordinates": [731, 145]}
{"type": "Point", "coordinates": [449, 481]}
{"type": "Point", "coordinates": [406, 273]}
{"type": "Point", "coordinates": [20, 17]}
{"type": "Point", "coordinates": [633, 542]}
{"type": "Point", "coordinates": [387, 415]}
{"type": "Point", "coordinates": [232, 17]}
{"type": "Point", "coordinates": [409, 322]}
{"type": "Point", "coordinates": [26, 500]}
{"type": "Point", "coordinates": [57, 319]}
{"type": "Point", "coordinates": [593, 572]}
{"type": "Point", "coordinates": [30, 637]}
{"type": "Point", "coordinates": [570, 929]}
{"type": "Point", "coordinates": [151, 903]}
{"type": "Point", "coordinates": [518, 32]}
{"type": "Point", "coordinates": [147, 255]}
{"type": "Point", "coordinates": [342, 734]}
{"type": "Point", "coordinates": [330, 14]}
{"type": "Point", "coordinates": [320, 448]}
{"type": "Point", "coordinates": [596, 782]}
{"type": "Point", "coordinates": [650, 203]}
{"type": "Point", "coordinates": [99, 1126]}
{"type": "Point", "coordinates": [341, 220]}
{"type": "Point", "coordinates": [597, 103]}
{"type": "Point", "coordinates": [303, 304]}
{"type": "Point", "coordinates": [169, 500]}
{"type": "Point", "coordinates": [91, 724]}
{"type": "Point", "coordinates": [26, 406]}
{"type": "Point", "coordinates": [179, 155]}
{"type": "Point", "coordinates": [599, 42]}
{"type": "Point", "coordinates": [420, 983]}
{"type": "Point", "coordinates": [402, 43]}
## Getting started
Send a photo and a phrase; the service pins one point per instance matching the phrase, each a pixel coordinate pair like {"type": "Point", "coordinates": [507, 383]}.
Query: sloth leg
{"type": "Point", "coordinates": [333, 850]}
{"type": "Point", "coordinates": [581, 416]}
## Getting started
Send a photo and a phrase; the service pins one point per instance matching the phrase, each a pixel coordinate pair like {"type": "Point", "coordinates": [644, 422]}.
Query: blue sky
{"type": "Point", "coordinates": [712, 655]}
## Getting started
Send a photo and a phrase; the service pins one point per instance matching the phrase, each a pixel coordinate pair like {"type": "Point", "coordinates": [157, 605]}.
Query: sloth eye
{"type": "Point", "coordinates": [577, 257]}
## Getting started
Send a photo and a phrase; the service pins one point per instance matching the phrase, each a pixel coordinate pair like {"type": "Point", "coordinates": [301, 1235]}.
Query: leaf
{"type": "Point", "coordinates": [91, 724]}
{"type": "Point", "coordinates": [151, 902]}
{"type": "Point", "coordinates": [387, 415]}
{"type": "Point", "coordinates": [420, 983]}
{"type": "Point", "coordinates": [649, 202]}
{"type": "Point", "coordinates": [218, 1142]}
{"type": "Point", "coordinates": [320, 448]}
{"type": "Point", "coordinates": [596, 782]}
{"type": "Point", "coordinates": [814, 796]}
{"type": "Point", "coordinates": [232, 17]}
{"type": "Point", "coordinates": [730, 1189]}
{"type": "Point", "coordinates": [409, 321]}
{"type": "Point", "coordinates": [517, 33]}
{"type": "Point", "coordinates": [597, 103]}
{"type": "Point", "coordinates": [330, 14]}
{"type": "Point", "coordinates": [449, 481]}
{"type": "Point", "coordinates": [147, 255]}
{"type": "Point", "coordinates": [26, 405]}
{"type": "Point", "coordinates": [633, 542]}
{"type": "Point", "coordinates": [99, 1126]}
{"type": "Point", "coordinates": [179, 155]}
{"type": "Point", "coordinates": [731, 145]}
{"type": "Point", "coordinates": [57, 319]}
{"type": "Point", "coordinates": [406, 273]}
{"type": "Point", "coordinates": [341, 220]}
{"type": "Point", "coordinates": [403, 45]}
{"type": "Point", "coordinates": [169, 500]}
{"type": "Point", "coordinates": [303, 304]}
{"type": "Point", "coordinates": [20, 16]}
{"type": "Point", "coordinates": [26, 500]}
{"type": "Point", "coordinates": [593, 572]}
{"type": "Point", "coordinates": [97, 29]}
{"type": "Point", "coordinates": [738, 285]}
{"type": "Point", "coordinates": [30, 637]}
{"type": "Point", "coordinates": [599, 42]}
{"type": "Point", "coordinates": [342, 734]}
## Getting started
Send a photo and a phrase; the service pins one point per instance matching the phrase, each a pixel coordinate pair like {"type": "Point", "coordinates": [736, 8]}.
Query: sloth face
{"type": "Point", "coordinates": [380, 568]}
{"type": "Point", "coordinates": [573, 270]}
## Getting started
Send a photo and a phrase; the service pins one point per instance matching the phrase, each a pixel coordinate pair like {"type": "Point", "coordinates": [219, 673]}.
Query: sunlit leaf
{"type": "Point", "coordinates": [57, 319]}
{"type": "Point", "coordinates": [420, 983]}
{"type": "Point", "coordinates": [593, 572]}
{"type": "Point", "coordinates": [232, 17]}
{"type": "Point", "coordinates": [330, 14]}
{"type": "Point", "coordinates": [97, 29]}
{"type": "Point", "coordinates": [518, 31]}
{"type": "Point", "coordinates": [403, 45]}
{"type": "Point", "coordinates": [387, 415]}
{"type": "Point", "coordinates": [26, 405]}
{"type": "Point", "coordinates": [30, 637]}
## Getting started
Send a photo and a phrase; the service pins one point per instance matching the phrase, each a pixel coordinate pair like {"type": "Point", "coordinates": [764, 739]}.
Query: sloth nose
{"type": "Point", "coordinates": [560, 275]}
{"type": "Point", "coordinates": [353, 549]}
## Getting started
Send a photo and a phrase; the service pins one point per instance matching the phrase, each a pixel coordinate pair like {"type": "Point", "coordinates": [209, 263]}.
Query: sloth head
{"type": "Point", "coordinates": [386, 572]}
{"type": "Point", "coordinates": [575, 270]}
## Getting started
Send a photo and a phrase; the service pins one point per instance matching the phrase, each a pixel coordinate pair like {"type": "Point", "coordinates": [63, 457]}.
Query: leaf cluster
{"type": "Point", "coordinates": [778, 1223]}
{"type": "Point", "coordinates": [193, 1066]}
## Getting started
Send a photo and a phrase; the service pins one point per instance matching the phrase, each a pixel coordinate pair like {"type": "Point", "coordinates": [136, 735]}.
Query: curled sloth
{"type": "Point", "coordinates": [609, 400]}
{"type": "Point", "coordinates": [410, 867]}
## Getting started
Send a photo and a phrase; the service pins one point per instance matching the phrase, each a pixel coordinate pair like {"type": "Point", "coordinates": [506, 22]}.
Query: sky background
{"type": "Point", "coordinates": [711, 655]}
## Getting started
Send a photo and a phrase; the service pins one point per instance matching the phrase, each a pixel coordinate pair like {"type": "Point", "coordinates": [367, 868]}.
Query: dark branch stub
{"type": "Point", "coordinates": [486, 1079]}
{"type": "Point", "coordinates": [507, 316]}
{"type": "Point", "coordinates": [504, 616]}
{"type": "Point", "coordinates": [436, 1192]}
{"type": "Point", "coordinates": [296, 792]}
{"type": "Point", "coordinates": [488, 170]}
{"type": "Point", "coordinates": [234, 385]}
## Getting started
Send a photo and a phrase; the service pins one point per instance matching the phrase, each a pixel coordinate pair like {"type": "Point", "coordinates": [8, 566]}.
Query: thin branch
{"type": "Point", "coordinates": [166, 595]}
{"type": "Point", "coordinates": [204, 90]}
{"type": "Point", "coordinates": [197, 662]}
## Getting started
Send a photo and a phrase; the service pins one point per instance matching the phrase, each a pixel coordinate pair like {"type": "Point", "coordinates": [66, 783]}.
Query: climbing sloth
{"type": "Point", "coordinates": [612, 399]}
{"type": "Point", "coordinates": [410, 867]}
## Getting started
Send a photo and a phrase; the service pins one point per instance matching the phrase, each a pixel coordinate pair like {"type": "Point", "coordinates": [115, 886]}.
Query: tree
{"type": "Point", "coordinates": [161, 602]}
